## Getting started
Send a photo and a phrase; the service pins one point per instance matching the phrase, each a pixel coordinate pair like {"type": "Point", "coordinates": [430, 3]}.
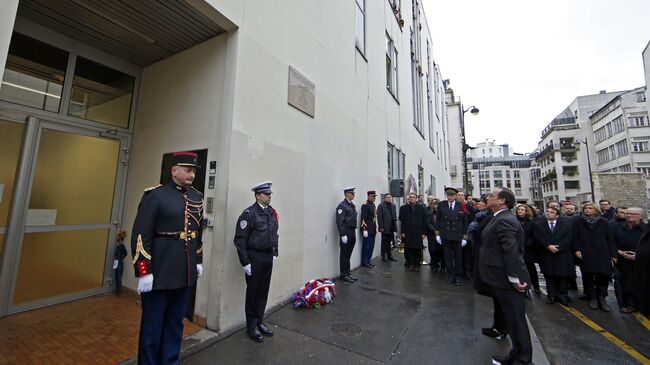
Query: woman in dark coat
{"type": "Point", "coordinates": [481, 219]}
{"type": "Point", "coordinates": [413, 218]}
{"type": "Point", "coordinates": [525, 215]}
{"type": "Point", "coordinates": [595, 247]}
{"type": "Point", "coordinates": [642, 275]}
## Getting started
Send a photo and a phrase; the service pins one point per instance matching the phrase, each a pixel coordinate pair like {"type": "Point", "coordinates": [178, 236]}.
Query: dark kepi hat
{"type": "Point", "coordinates": [348, 190]}
{"type": "Point", "coordinates": [185, 159]}
{"type": "Point", "coordinates": [264, 187]}
{"type": "Point", "coordinates": [449, 190]}
{"type": "Point", "coordinates": [371, 192]}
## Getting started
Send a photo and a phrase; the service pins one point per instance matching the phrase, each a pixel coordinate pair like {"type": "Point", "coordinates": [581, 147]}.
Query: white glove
{"type": "Point", "coordinates": [275, 258]}
{"type": "Point", "coordinates": [344, 239]}
{"type": "Point", "coordinates": [463, 243]}
{"type": "Point", "coordinates": [438, 240]}
{"type": "Point", "coordinates": [365, 234]}
{"type": "Point", "coordinates": [199, 269]}
{"type": "Point", "coordinates": [247, 270]}
{"type": "Point", "coordinates": [145, 283]}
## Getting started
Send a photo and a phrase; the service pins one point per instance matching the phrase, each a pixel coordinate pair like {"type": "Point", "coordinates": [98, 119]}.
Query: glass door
{"type": "Point", "coordinates": [10, 148]}
{"type": "Point", "coordinates": [71, 216]}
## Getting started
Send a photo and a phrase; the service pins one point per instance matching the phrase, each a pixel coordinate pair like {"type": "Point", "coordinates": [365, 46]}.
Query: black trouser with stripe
{"type": "Point", "coordinates": [346, 253]}
{"type": "Point", "coordinates": [257, 286]}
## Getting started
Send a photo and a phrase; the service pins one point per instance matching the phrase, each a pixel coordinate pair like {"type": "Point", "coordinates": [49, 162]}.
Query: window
{"type": "Point", "coordinates": [639, 146]}
{"type": "Point", "coordinates": [391, 66]}
{"type": "Point", "coordinates": [416, 85]}
{"type": "Point", "coordinates": [508, 184]}
{"type": "Point", "coordinates": [396, 168]}
{"type": "Point", "coordinates": [420, 179]}
{"type": "Point", "coordinates": [101, 94]}
{"type": "Point", "coordinates": [640, 97]}
{"type": "Point", "coordinates": [361, 26]}
{"type": "Point", "coordinates": [507, 174]}
{"type": "Point", "coordinates": [498, 183]}
{"type": "Point", "coordinates": [625, 168]}
{"type": "Point", "coordinates": [517, 192]}
{"type": "Point", "coordinates": [485, 184]}
{"type": "Point", "coordinates": [572, 184]}
{"type": "Point", "coordinates": [498, 174]}
{"type": "Point", "coordinates": [603, 155]}
{"type": "Point", "coordinates": [484, 174]}
{"type": "Point", "coordinates": [396, 6]}
{"type": "Point", "coordinates": [430, 99]}
{"type": "Point", "coordinates": [644, 170]}
{"type": "Point", "coordinates": [517, 184]}
{"type": "Point", "coordinates": [517, 174]}
{"type": "Point", "coordinates": [432, 190]}
{"type": "Point", "coordinates": [34, 74]}
{"type": "Point", "coordinates": [612, 152]}
{"type": "Point", "coordinates": [621, 148]}
{"type": "Point", "coordinates": [617, 125]}
{"type": "Point", "coordinates": [639, 121]}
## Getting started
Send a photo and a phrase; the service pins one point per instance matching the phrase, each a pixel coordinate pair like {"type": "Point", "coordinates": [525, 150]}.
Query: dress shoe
{"type": "Point", "coordinates": [563, 300]}
{"type": "Point", "coordinates": [602, 303]}
{"type": "Point", "coordinates": [450, 280]}
{"type": "Point", "coordinates": [383, 258]}
{"type": "Point", "coordinates": [550, 300]}
{"type": "Point", "coordinates": [366, 265]}
{"type": "Point", "coordinates": [255, 335]}
{"type": "Point", "coordinates": [503, 359]}
{"type": "Point", "coordinates": [593, 304]}
{"type": "Point", "coordinates": [353, 278]}
{"type": "Point", "coordinates": [391, 258]}
{"type": "Point", "coordinates": [457, 282]}
{"type": "Point", "coordinates": [416, 268]}
{"type": "Point", "coordinates": [370, 264]}
{"type": "Point", "coordinates": [347, 279]}
{"type": "Point", "coordinates": [627, 309]}
{"type": "Point", "coordinates": [493, 333]}
{"type": "Point", "coordinates": [265, 330]}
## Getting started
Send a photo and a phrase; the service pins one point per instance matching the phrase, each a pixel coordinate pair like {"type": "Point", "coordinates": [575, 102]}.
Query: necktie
{"type": "Point", "coordinates": [552, 226]}
{"type": "Point", "coordinates": [451, 206]}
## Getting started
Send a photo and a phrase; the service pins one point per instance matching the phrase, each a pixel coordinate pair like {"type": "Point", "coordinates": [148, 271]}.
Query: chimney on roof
{"type": "Point", "coordinates": [603, 91]}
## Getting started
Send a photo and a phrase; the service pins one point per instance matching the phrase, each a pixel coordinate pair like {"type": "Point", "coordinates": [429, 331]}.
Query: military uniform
{"type": "Point", "coordinates": [346, 223]}
{"type": "Point", "coordinates": [369, 225]}
{"type": "Point", "coordinates": [452, 223]}
{"type": "Point", "coordinates": [166, 243]}
{"type": "Point", "coordinates": [256, 240]}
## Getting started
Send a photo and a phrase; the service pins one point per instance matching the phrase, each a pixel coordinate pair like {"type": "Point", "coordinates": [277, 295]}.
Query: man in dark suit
{"type": "Point", "coordinates": [553, 236]}
{"type": "Point", "coordinates": [414, 228]}
{"type": "Point", "coordinates": [502, 267]}
{"type": "Point", "coordinates": [387, 222]}
{"type": "Point", "coordinates": [451, 233]}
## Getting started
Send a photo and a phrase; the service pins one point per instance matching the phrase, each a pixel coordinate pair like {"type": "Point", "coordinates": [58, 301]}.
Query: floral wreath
{"type": "Point", "coordinates": [314, 294]}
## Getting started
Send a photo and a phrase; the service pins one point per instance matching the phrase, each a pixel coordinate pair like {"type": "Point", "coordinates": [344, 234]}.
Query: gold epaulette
{"type": "Point", "coordinates": [152, 188]}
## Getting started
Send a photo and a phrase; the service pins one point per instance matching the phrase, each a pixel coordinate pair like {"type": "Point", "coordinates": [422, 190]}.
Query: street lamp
{"type": "Point", "coordinates": [591, 180]}
{"type": "Point", "coordinates": [474, 110]}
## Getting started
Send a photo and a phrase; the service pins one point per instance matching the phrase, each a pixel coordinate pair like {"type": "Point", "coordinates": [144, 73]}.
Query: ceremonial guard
{"type": "Point", "coordinates": [368, 229]}
{"type": "Point", "coordinates": [167, 256]}
{"type": "Point", "coordinates": [256, 240]}
{"type": "Point", "coordinates": [346, 223]}
{"type": "Point", "coordinates": [451, 233]}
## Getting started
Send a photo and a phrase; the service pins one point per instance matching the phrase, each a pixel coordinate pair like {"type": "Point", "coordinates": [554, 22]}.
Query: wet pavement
{"type": "Point", "coordinates": [392, 316]}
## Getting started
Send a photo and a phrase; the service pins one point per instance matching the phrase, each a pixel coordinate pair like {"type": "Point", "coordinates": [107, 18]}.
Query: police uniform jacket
{"type": "Point", "coordinates": [452, 225]}
{"type": "Point", "coordinates": [369, 218]}
{"type": "Point", "coordinates": [346, 218]}
{"type": "Point", "coordinates": [257, 230]}
{"type": "Point", "coordinates": [166, 240]}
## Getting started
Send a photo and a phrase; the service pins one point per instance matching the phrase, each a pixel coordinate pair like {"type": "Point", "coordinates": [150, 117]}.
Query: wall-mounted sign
{"type": "Point", "coordinates": [302, 92]}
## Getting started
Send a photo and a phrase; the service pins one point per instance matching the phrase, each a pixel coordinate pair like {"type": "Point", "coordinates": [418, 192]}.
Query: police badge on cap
{"type": "Point", "coordinates": [185, 159]}
{"type": "Point", "coordinates": [264, 188]}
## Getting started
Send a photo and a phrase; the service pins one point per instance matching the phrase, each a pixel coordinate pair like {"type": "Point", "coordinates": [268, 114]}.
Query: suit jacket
{"type": "Point", "coordinates": [387, 218]}
{"type": "Point", "coordinates": [414, 224]}
{"type": "Point", "coordinates": [452, 225]}
{"type": "Point", "coordinates": [561, 262]}
{"type": "Point", "coordinates": [369, 217]}
{"type": "Point", "coordinates": [502, 251]}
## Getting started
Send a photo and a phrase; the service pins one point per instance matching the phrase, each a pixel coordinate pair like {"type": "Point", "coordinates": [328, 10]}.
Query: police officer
{"type": "Point", "coordinates": [167, 256]}
{"type": "Point", "coordinates": [256, 240]}
{"type": "Point", "coordinates": [451, 233]}
{"type": "Point", "coordinates": [346, 223]}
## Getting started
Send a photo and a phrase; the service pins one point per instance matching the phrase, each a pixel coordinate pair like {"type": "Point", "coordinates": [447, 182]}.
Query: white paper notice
{"type": "Point", "coordinates": [41, 217]}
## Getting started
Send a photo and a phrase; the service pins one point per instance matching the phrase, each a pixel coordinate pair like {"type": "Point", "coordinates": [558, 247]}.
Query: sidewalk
{"type": "Point", "coordinates": [390, 316]}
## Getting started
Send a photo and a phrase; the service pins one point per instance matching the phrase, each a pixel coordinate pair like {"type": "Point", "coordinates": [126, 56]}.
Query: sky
{"type": "Point", "coordinates": [523, 62]}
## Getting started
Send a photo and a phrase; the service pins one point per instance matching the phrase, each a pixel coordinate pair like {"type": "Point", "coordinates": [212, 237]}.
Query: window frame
{"type": "Point", "coordinates": [362, 9]}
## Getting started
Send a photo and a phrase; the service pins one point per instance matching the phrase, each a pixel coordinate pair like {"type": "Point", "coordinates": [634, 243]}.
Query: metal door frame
{"type": "Point", "coordinates": [20, 202]}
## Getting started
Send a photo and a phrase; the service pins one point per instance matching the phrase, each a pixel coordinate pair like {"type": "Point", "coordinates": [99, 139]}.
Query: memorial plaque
{"type": "Point", "coordinates": [302, 92]}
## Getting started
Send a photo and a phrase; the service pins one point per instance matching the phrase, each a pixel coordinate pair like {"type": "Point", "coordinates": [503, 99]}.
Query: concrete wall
{"type": "Point", "coordinates": [310, 160]}
{"type": "Point", "coordinates": [622, 189]}
{"type": "Point", "coordinates": [181, 107]}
